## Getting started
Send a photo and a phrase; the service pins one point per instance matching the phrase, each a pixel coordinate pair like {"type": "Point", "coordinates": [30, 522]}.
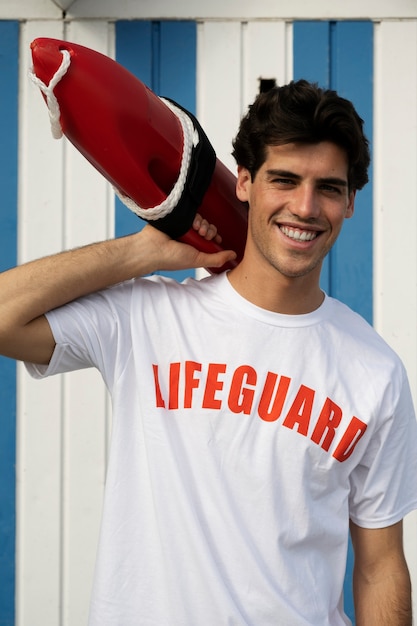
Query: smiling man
{"type": "Point", "coordinates": [255, 419]}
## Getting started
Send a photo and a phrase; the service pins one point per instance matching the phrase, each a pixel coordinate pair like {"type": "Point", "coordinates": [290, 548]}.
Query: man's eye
{"type": "Point", "coordinates": [331, 189]}
{"type": "Point", "coordinates": [283, 181]}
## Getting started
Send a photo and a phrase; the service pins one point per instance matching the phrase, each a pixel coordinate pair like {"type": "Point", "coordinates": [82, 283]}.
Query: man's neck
{"type": "Point", "coordinates": [278, 293]}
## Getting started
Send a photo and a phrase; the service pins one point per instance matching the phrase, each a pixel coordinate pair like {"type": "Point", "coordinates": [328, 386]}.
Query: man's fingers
{"type": "Point", "coordinates": [205, 229]}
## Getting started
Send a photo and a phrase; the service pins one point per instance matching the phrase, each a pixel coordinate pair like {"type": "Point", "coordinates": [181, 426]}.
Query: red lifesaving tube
{"type": "Point", "coordinates": [137, 141]}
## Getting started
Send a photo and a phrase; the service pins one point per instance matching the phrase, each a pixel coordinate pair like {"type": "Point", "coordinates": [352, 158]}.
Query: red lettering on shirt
{"type": "Point", "coordinates": [272, 398]}
{"type": "Point", "coordinates": [241, 397]}
{"type": "Point", "coordinates": [174, 381]}
{"type": "Point", "coordinates": [158, 395]}
{"type": "Point", "coordinates": [349, 441]}
{"type": "Point", "coordinates": [328, 421]}
{"type": "Point", "coordinates": [189, 384]}
{"type": "Point", "coordinates": [300, 410]}
{"type": "Point", "coordinates": [213, 384]}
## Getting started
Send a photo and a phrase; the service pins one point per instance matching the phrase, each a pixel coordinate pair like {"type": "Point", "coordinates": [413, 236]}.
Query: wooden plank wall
{"type": "Point", "coordinates": [63, 424]}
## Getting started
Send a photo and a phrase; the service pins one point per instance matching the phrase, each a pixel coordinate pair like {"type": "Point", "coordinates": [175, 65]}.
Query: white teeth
{"type": "Point", "coordinates": [298, 235]}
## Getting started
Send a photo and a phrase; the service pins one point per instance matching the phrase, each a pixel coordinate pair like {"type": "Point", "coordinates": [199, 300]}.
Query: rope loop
{"type": "Point", "coordinates": [48, 91]}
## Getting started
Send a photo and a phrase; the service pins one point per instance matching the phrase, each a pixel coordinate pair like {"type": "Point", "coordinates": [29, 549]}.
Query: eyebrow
{"type": "Point", "coordinates": [329, 180]}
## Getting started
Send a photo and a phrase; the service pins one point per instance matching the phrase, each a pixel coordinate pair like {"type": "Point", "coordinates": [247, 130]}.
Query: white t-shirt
{"type": "Point", "coordinates": [242, 443]}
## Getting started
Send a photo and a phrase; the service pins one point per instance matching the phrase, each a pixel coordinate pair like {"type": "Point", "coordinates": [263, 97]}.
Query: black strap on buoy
{"type": "Point", "coordinates": [198, 179]}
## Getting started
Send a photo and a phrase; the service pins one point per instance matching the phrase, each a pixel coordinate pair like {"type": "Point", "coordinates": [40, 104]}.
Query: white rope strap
{"type": "Point", "coordinates": [190, 140]}
{"type": "Point", "coordinates": [48, 90]}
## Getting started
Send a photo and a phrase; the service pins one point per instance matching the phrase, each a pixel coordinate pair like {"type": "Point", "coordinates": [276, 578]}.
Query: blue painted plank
{"type": "Point", "coordinates": [9, 50]}
{"type": "Point", "coordinates": [352, 256]}
{"type": "Point", "coordinates": [312, 52]}
{"type": "Point", "coordinates": [163, 56]}
{"type": "Point", "coordinates": [178, 63]}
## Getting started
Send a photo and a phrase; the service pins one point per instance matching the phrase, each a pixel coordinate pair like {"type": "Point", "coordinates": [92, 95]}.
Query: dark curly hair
{"type": "Point", "coordinates": [305, 113]}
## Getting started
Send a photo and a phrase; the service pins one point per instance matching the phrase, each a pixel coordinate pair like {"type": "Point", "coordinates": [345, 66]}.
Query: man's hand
{"type": "Point", "coordinates": [168, 254]}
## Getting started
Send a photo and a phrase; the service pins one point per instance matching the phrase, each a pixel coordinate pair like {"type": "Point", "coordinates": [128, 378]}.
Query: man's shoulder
{"type": "Point", "coordinates": [359, 332]}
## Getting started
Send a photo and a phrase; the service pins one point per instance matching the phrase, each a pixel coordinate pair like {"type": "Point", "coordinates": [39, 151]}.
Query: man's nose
{"type": "Point", "coordinates": [306, 203]}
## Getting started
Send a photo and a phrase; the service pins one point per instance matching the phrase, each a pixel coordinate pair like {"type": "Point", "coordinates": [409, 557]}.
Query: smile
{"type": "Point", "coordinates": [298, 235]}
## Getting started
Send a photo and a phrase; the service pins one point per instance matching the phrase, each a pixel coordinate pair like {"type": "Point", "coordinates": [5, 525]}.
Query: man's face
{"type": "Point", "coordinates": [297, 203]}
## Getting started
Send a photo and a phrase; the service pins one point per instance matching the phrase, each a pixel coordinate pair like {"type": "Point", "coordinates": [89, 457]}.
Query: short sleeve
{"type": "Point", "coordinates": [384, 484]}
{"type": "Point", "coordinates": [90, 332]}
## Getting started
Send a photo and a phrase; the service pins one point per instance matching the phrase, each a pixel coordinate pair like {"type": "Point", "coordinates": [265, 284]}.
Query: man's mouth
{"type": "Point", "coordinates": [297, 234]}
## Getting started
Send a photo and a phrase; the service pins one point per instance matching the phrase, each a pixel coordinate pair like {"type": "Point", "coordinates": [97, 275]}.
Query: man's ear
{"type": "Point", "coordinates": [351, 204]}
{"type": "Point", "coordinates": [243, 183]}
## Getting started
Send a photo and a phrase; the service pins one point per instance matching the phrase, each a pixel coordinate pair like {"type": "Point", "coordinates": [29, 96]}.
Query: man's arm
{"type": "Point", "coordinates": [31, 290]}
{"type": "Point", "coordinates": [381, 581]}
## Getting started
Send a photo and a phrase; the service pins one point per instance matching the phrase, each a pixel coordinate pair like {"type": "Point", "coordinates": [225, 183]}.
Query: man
{"type": "Point", "coordinates": [255, 418]}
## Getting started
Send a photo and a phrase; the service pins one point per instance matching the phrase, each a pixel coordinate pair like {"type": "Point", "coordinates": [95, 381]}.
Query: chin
{"type": "Point", "coordinates": [293, 271]}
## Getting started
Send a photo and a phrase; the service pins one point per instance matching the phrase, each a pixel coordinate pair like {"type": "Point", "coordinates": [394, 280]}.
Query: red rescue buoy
{"type": "Point", "coordinates": [140, 144]}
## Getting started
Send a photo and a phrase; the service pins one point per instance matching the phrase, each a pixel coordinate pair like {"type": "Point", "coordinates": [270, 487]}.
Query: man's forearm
{"type": "Point", "coordinates": [31, 290]}
{"type": "Point", "coordinates": [385, 602]}
{"type": "Point", "coordinates": [39, 286]}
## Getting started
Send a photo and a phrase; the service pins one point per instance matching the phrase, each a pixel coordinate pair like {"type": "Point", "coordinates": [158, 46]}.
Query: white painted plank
{"type": "Point", "coordinates": [231, 58]}
{"type": "Point", "coordinates": [243, 9]}
{"type": "Point", "coordinates": [63, 422]}
{"type": "Point", "coordinates": [29, 10]}
{"type": "Point", "coordinates": [219, 85]}
{"type": "Point", "coordinates": [395, 188]}
{"type": "Point", "coordinates": [219, 88]}
{"type": "Point", "coordinates": [38, 502]}
{"type": "Point", "coordinates": [85, 423]}
{"type": "Point", "coordinates": [216, 9]}
{"type": "Point", "coordinates": [395, 215]}
{"type": "Point", "coordinates": [89, 216]}
{"type": "Point", "coordinates": [39, 429]}
{"type": "Point", "coordinates": [40, 159]}
{"type": "Point", "coordinates": [265, 55]}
